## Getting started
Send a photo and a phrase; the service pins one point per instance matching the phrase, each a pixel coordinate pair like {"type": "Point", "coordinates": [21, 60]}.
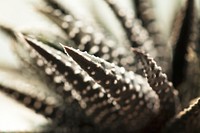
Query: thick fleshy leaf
{"type": "Point", "coordinates": [181, 39]}
{"type": "Point", "coordinates": [90, 95]}
{"type": "Point", "coordinates": [53, 78]}
{"type": "Point", "coordinates": [106, 97]}
{"type": "Point", "coordinates": [131, 91]}
{"type": "Point", "coordinates": [186, 61]}
{"type": "Point", "coordinates": [140, 36]}
{"type": "Point", "coordinates": [169, 101]}
{"type": "Point", "coordinates": [134, 30]}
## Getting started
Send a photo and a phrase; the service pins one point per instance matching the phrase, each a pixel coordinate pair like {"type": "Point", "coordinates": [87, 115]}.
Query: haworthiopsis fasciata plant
{"type": "Point", "coordinates": [92, 81]}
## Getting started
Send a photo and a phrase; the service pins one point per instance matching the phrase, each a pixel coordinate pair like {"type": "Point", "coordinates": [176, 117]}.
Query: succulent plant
{"type": "Point", "coordinates": [84, 79]}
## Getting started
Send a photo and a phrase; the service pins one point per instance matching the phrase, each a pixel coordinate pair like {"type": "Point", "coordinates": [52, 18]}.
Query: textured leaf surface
{"type": "Point", "coordinates": [87, 38]}
{"type": "Point", "coordinates": [158, 81]}
{"type": "Point", "coordinates": [139, 36]}
{"type": "Point", "coordinates": [130, 91]}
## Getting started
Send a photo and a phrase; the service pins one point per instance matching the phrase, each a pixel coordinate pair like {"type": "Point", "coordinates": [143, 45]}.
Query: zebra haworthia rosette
{"type": "Point", "coordinates": [105, 92]}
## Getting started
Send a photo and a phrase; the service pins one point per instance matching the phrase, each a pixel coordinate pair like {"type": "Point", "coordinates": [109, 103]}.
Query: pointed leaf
{"type": "Point", "coordinates": [136, 33]}
{"type": "Point", "coordinates": [169, 101]}
{"type": "Point", "coordinates": [130, 90]}
{"type": "Point", "coordinates": [140, 37]}
{"type": "Point", "coordinates": [90, 95]}
{"type": "Point", "coordinates": [181, 42]}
